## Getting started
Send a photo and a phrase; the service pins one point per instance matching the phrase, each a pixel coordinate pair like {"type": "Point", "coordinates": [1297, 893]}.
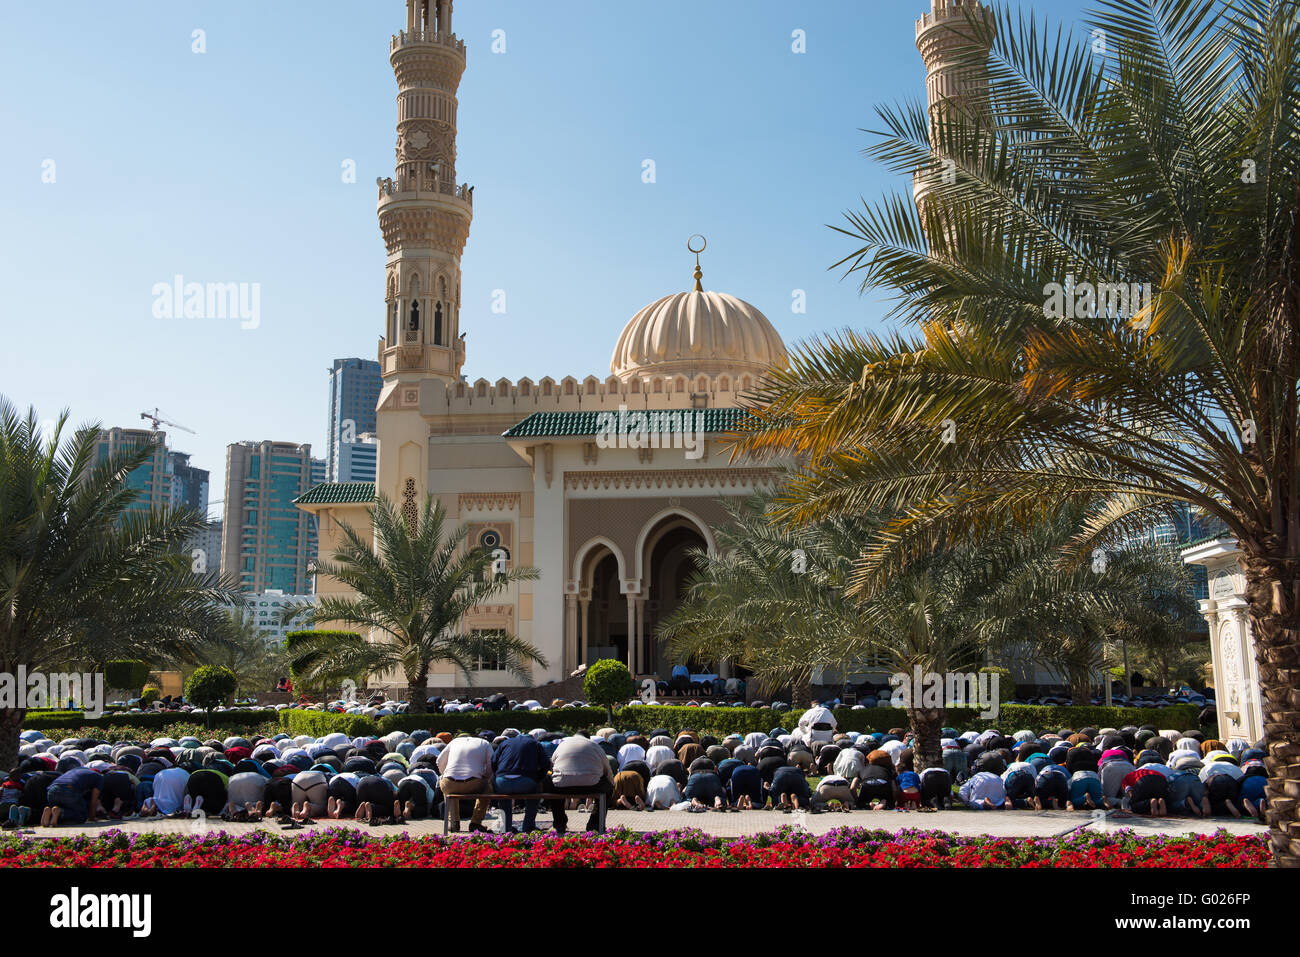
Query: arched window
{"type": "Point", "coordinates": [437, 324]}
{"type": "Point", "coordinates": [414, 325]}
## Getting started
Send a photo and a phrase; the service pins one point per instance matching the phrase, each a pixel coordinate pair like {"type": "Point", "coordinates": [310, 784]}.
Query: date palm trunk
{"type": "Point", "coordinates": [11, 723]}
{"type": "Point", "coordinates": [417, 686]}
{"type": "Point", "coordinates": [1273, 593]}
{"type": "Point", "coordinates": [1081, 686]}
{"type": "Point", "coordinates": [801, 692]}
{"type": "Point", "coordinates": [927, 732]}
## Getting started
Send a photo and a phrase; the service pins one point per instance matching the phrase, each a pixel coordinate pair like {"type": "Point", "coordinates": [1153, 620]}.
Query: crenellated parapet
{"type": "Point", "coordinates": [570, 394]}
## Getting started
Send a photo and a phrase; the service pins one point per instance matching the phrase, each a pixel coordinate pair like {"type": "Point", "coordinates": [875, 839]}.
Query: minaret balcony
{"type": "Point", "coordinates": [954, 12]}
{"type": "Point", "coordinates": [410, 188]}
{"type": "Point", "coordinates": [426, 38]}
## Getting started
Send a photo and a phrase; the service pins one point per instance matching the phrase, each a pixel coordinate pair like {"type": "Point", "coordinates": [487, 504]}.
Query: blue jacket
{"type": "Point", "coordinates": [522, 755]}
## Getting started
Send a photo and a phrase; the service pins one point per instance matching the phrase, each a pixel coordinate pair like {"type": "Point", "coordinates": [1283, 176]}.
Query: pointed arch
{"type": "Point", "coordinates": [589, 549]}
{"type": "Point", "coordinates": [675, 516]}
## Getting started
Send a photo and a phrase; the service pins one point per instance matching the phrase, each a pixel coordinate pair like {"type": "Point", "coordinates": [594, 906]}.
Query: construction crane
{"type": "Point", "coordinates": [156, 418]}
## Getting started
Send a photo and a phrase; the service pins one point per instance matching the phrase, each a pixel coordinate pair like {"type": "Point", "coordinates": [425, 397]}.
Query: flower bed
{"type": "Point", "coordinates": [787, 847]}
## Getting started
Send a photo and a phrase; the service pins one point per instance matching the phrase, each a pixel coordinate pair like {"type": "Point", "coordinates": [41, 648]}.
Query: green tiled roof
{"type": "Point", "coordinates": [1206, 539]}
{"type": "Point", "coordinates": [337, 493]}
{"type": "Point", "coordinates": [590, 423]}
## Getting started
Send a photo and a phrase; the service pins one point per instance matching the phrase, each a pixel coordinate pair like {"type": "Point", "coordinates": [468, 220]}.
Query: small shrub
{"type": "Point", "coordinates": [608, 683]}
{"type": "Point", "coordinates": [126, 675]}
{"type": "Point", "coordinates": [209, 686]}
{"type": "Point", "coordinates": [149, 695]}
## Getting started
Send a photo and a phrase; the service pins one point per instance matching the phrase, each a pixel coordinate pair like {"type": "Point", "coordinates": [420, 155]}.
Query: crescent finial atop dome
{"type": "Point", "coordinates": [697, 332]}
{"type": "Point", "coordinates": [704, 244]}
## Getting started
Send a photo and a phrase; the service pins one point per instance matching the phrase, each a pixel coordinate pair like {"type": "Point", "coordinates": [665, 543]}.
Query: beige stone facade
{"type": "Point", "coordinates": [530, 466]}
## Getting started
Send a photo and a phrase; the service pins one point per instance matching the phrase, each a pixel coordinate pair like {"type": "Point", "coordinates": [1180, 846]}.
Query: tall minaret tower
{"type": "Point", "coordinates": [943, 37]}
{"type": "Point", "coordinates": [423, 214]}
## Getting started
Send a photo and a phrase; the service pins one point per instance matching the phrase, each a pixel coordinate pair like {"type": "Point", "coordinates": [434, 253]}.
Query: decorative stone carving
{"type": "Point", "coordinates": [410, 512]}
{"type": "Point", "coordinates": [1232, 648]}
{"type": "Point", "coordinates": [1230, 656]}
{"type": "Point", "coordinates": [674, 478]}
{"type": "Point", "coordinates": [488, 501]}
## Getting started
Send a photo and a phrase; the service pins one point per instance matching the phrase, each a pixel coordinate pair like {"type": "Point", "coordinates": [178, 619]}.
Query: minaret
{"type": "Point", "coordinates": [424, 217]}
{"type": "Point", "coordinates": [423, 214]}
{"type": "Point", "coordinates": [944, 37]}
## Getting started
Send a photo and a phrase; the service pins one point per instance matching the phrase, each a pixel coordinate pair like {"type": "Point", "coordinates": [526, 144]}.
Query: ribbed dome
{"type": "Point", "coordinates": [697, 332]}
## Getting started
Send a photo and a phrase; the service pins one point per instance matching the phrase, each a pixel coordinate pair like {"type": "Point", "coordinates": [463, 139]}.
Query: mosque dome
{"type": "Point", "coordinates": [697, 332]}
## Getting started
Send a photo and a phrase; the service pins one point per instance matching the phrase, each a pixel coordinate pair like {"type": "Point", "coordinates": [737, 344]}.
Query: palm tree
{"type": "Point", "coordinates": [82, 576]}
{"type": "Point", "coordinates": [1166, 154]}
{"type": "Point", "coordinates": [774, 600]}
{"type": "Point", "coordinates": [412, 591]}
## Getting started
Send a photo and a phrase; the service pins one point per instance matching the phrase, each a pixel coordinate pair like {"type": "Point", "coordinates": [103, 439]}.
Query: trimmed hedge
{"type": "Point", "coordinates": [1011, 718]}
{"type": "Point", "coordinates": [320, 723]}
{"type": "Point", "coordinates": [723, 721]}
{"type": "Point", "coordinates": [177, 729]}
{"type": "Point", "coordinates": [147, 721]}
{"type": "Point", "coordinates": [645, 718]}
{"type": "Point", "coordinates": [554, 719]}
{"type": "Point", "coordinates": [296, 721]}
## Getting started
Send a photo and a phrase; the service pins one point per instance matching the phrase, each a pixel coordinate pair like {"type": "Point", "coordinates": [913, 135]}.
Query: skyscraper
{"type": "Point", "coordinates": [189, 483]}
{"type": "Point", "coordinates": [354, 392]}
{"type": "Point", "coordinates": [266, 542]}
{"type": "Point", "coordinates": [205, 550]}
{"type": "Point", "coordinates": [357, 459]}
{"type": "Point", "coordinates": [152, 480]}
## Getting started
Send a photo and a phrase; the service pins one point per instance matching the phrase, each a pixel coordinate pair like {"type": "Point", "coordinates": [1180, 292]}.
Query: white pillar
{"type": "Point", "coordinates": [639, 657]}
{"type": "Point", "coordinates": [631, 634]}
{"type": "Point", "coordinates": [1237, 697]}
{"type": "Point", "coordinates": [570, 634]}
{"type": "Point", "coordinates": [584, 618]}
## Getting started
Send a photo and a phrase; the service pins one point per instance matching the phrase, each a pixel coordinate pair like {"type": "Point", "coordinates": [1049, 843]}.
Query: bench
{"type": "Point", "coordinates": [540, 796]}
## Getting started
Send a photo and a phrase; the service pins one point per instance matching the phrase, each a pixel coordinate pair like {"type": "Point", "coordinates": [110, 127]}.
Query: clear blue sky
{"type": "Point", "coordinates": [226, 167]}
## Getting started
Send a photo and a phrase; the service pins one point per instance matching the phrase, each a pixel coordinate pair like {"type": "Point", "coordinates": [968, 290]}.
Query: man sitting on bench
{"type": "Point", "coordinates": [466, 768]}
{"type": "Point", "coordinates": [521, 764]}
{"type": "Point", "coordinates": [579, 766]}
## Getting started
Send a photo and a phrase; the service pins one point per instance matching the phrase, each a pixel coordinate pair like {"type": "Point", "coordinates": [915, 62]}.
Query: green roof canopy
{"type": "Point", "coordinates": [337, 493]}
{"type": "Point", "coordinates": [633, 420]}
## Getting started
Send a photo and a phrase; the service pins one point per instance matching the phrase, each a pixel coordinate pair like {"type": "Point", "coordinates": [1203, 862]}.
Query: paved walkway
{"type": "Point", "coordinates": [965, 822]}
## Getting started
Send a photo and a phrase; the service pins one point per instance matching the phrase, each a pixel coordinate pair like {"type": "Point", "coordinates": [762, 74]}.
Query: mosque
{"type": "Point", "coordinates": [529, 466]}
{"type": "Point", "coordinates": [552, 473]}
